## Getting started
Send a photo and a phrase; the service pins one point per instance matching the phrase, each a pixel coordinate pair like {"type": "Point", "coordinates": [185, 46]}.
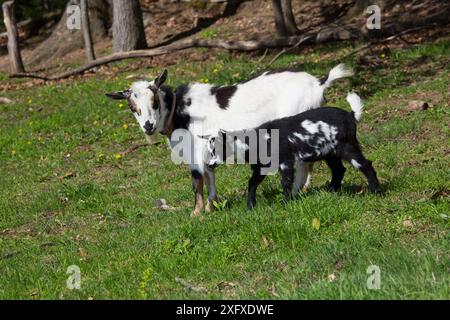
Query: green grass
{"type": "Point", "coordinates": [101, 216]}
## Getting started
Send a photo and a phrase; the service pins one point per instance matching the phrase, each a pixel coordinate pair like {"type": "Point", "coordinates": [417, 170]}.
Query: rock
{"type": "Point", "coordinates": [162, 205]}
{"type": "Point", "coordinates": [407, 223]}
{"type": "Point", "coordinates": [4, 100]}
{"type": "Point", "coordinates": [414, 105]}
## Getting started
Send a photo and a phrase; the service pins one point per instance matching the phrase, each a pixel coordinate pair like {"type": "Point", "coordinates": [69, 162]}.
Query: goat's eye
{"type": "Point", "coordinates": [135, 95]}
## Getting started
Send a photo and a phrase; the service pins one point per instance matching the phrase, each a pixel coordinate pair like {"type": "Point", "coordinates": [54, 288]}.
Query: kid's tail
{"type": "Point", "coordinates": [340, 71]}
{"type": "Point", "coordinates": [356, 105]}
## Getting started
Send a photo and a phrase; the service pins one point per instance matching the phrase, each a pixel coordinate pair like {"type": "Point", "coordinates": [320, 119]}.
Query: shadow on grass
{"type": "Point", "coordinates": [273, 195]}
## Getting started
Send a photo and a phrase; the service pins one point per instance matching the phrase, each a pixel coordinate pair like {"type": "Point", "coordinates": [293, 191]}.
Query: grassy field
{"type": "Point", "coordinates": [69, 195]}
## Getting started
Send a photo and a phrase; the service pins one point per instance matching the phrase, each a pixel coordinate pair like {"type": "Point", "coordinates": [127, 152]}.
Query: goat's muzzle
{"type": "Point", "coordinates": [149, 128]}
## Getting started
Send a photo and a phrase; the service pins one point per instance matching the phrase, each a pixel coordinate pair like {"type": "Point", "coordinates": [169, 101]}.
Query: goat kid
{"type": "Point", "coordinates": [202, 109]}
{"type": "Point", "coordinates": [325, 133]}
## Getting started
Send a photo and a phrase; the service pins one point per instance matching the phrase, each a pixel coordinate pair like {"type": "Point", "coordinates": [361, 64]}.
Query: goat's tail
{"type": "Point", "coordinates": [340, 71]}
{"type": "Point", "coordinates": [356, 105]}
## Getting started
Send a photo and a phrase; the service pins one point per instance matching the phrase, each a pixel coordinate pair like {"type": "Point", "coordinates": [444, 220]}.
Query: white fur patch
{"type": "Point", "coordinates": [356, 104]}
{"type": "Point", "coordinates": [311, 127]}
{"type": "Point", "coordinates": [356, 164]}
{"type": "Point", "coordinates": [300, 136]}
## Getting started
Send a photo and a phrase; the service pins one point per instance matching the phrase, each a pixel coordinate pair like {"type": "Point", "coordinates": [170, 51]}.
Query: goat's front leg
{"type": "Point", "coordinates": [253, 184]}
{"type": "Point", "coordinates": [287, 177]}
{"type": "Point", "coordinates": [197, 184]}
{"type": "Point", "coordinates": [303, 172]}
{"type": "Point", "coordinates": [211, 185]}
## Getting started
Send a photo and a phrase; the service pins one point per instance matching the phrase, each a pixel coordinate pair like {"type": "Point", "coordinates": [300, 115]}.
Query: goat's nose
{"type": "Point", "coordinates": [148, 127]}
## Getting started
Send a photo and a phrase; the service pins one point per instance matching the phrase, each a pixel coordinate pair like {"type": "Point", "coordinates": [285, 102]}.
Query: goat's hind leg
{"type": "Point", "coordinates": [287, 179]}
{"type": "Point", "coordinates": [354, 155]}
{"type": "Point", "coordinates": [337, 172]}
{"type": "Point", "coordinates": [303, 173]}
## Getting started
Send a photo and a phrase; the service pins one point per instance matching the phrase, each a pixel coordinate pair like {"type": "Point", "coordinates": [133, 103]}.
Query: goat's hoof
{"type": "Point", "coordinates": [332, 188]}
{"type": "Point", "coordinates": [376, 190]}
{"type": "Point", "coordinates": [196, 213]}
{"type": "Point", "coordinates": [209, 207]}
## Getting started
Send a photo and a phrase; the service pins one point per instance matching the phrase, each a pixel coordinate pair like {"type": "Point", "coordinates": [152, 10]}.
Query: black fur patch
{"type": "Point", "coordinates": [196, 174]}
{"type": "Point", "coordinates": [323, 80]}
{"type": "Point", "coordinates": [223, 95]}
{"type": "Point", "coordinates": [181, 118]}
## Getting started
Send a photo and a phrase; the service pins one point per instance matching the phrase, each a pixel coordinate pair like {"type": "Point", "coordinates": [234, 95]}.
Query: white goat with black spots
{"type": "Point", "coordinates": [202, 109]}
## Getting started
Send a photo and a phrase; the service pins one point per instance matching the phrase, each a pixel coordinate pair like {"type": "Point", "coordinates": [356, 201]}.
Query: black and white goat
{"type": "Point", "coordinates": [202, 109]}
{"type": "Point", "coordinates": [325, 133]}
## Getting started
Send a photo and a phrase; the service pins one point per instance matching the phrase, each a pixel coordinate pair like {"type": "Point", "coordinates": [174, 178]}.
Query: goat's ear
{"type": "Point", "coordinates": [221, 131]}
{"type": "Point", "coordinates": [161, 78]}
{"type": "Point", "coordinates": [118, 95]}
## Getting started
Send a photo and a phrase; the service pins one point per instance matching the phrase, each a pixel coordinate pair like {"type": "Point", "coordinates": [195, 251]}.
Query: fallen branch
{"type": "Point", "coordinates": [133, 148]}
{"type": "Point", "coordinates": [30, 75]}
{"type": "Point", "coordinates": [242, 45]}
{"type": "Point", "coordinates": [390, 38]}
{"type": "Point", "coordinates": [289, 49]}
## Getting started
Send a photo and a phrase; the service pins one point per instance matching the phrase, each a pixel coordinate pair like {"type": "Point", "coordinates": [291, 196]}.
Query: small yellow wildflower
{"type": "Point", "coordinates": [382, 55]}
{"type": "Point", "coordinates": [29, 142]}
{"type": "Point", "coordinates": [316, 223]}
{"type": "Point", "coordinates": [118, 156]}
{"type": "Point", "coordinates": [120, 105]}
{"type": "Point", "coordinates": [13, 152]}
{"type": "Point", "coordinates": [30, 101]}
{"type": "Point", "coordinates": [125, 126]}
{"type": "Point", "coordinates": [216, 70]}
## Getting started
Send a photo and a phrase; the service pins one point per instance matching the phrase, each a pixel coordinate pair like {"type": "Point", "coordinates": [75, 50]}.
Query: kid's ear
{"type": "Point", "coordinates": [161, 78]}
{"type": "Point", "coordinates": [118, 95]}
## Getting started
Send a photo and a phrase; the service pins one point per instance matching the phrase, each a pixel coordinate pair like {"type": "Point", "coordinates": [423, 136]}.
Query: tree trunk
{"type": "Point", "coordinates": [289, 20]}
{"type": "Point", "coordinates": [86, 28]}
{"type": "Point", "coordinates": [64, 40]}
{"type": "Point", "coordinates": [13, 46]}
{"type": "Point", "coordinates": [280, 26]}
{"type": "Point", "coordinates": [128, 26]}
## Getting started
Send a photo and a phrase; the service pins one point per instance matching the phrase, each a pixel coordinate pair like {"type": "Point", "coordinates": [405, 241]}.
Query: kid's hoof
{"type": "Point", "coordinates": [209, 207]}
{"type": "Point", "coordinates": [196, 214]}
{"type": "Point", "coordinates": [376, 190]}
{"type": "Point", "coordinates": [333, 188]}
